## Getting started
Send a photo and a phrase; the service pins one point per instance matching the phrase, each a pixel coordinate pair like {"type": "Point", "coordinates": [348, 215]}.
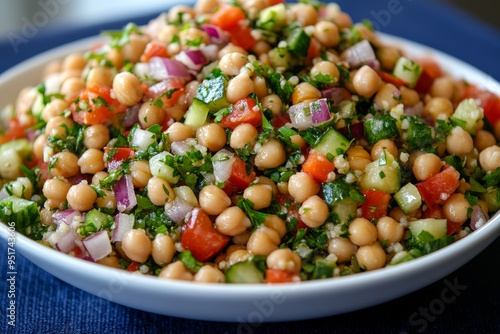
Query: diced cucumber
{"type": "Point", "coordinates": [492, 199]}
{"type": "Point", "coordinates": [244, 272]}
{"type": "Point", "coordinates": [407, 70]}
{"type": "Point", "coordinates": [21, 146]}
{"type": "Point", "coordinates": [408, 198]}
{"type": "Point", "coordinates": [272, 18]}
{"type": "Point", "coordinates": [323, 269]}
{"type": "Point", "coordinates": [436, 227]}
{"type": "Point", "coordinates": [332, 143]}
{"type": "Point", "coordinates": [280, 57]}
{"type": "Point", "coordinates": [22, 212]}
{"type": "Point", "coordinates": [467, 115]}
{"type": "Point", "coordinates": [380, 127]}
{"type": "Point", "coordinates": [339, 190]}
{"type": "Point", "coordinates": [159, 168]}
{"type": "Point", "coordinates": [418, 133]}
{"type": "Point", "coordinates": [382, 174]}
{"type": "Point", "coordinates": [196, 114]}
{"type": "Point", "coordinates": [10, 162]}
{"type": "Point", "coordinates": [212, 92]}
{"type": "Point", "coordinates": [400, 257]}
{"type": "Point", "coordinates": [97, 218]}
{"type": "Point", "coordinates": [298, 42]}
{"type": "Point", "coordinates": [344, 211]}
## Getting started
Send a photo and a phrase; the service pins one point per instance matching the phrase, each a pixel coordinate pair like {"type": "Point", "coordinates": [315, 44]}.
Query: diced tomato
{"type": "Point", "coordinates": [280, 120]}
{"type": "Point", "coordinates": [240, 178]}
{"type": "Point", "coordinates": [430, 72]}
{"type": "Point", "coordinates": [288, 205]}
{"type": "Point", "coordinates": [274, 276]}
{"type": "Point", "coordinates": [452, 227]}
{"type": "Point", "coordinates": [387, 77]}
{"type": "Point", "coordinates": [314, 49]}
{"type": "Point", "coordinates": [432, 67]}
{"type": "Point", "coordinates": [132, 267]}
{"type": "Point", "coordinates": [376, 204]}
{"type": "Point", "coordinates": [492, 110]}
{"type": "Point", "coordinates": [154, 49]}
{"type": "Point", "coordinates": [433, 213]}
{"type": "Point", "coordinates": [14, 131]}
{"type": "Point", "coordinates": [200, 236]}
{"type": "Point", "coordinates": [96, 106]}
{"type": "Point", "coordinates": [318, 166]}
{"type": "Point", "coordinates": [170, 91]}
{"type": "Point", "coordinates": [244, 111]}
{"type": "Point", "coordinates": [436, 190]}
{"type": "Point", "coordinates": [227, 17]}
{"type": "Point", "coordinates": [275, 2]}
{"type": "Point", "coordinates": [242, 36]}
{"type": "Point", "coordinates": [118, 153]}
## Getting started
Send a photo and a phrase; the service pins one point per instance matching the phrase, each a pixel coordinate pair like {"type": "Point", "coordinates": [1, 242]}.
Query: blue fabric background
{"type": "Point", "coordinates": [47, 305]}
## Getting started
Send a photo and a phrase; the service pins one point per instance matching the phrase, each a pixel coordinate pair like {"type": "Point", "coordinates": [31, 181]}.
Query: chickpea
{"type": "Point", "coordinates": [193, 34]}
{"type": "Point", "coordinates": [238, 256]}
{"type": "Point", "coordinates": [284, 259]}
{"type": "Point", "coordinates": [459, 142]}
{"type": "Point", "coordinates": [301, 186]}
{"type": "Point", "coordinates": [382, 146]}
{"type": "Point", "coordinates": [389, 230]}
{"type": "Point", "coordinates": [110, 261]}
{"type": "Point", "coordinates": [243, 135]}
{"type": "Point", "coordinates": [260, 86]}
{"type": "Point", "coordinates": [305, 14]}
{"type": "Point", "coordinates": [96, 136]}
{"type": "Point", "coordinates": [176, 270]}
{"type": "Point", "coordinates": [66, 164]}
{"type": "Point", "coordinates": [91, 161]}
{"type": "Point", "coordinates": [209, 274]}
{"type": "Point", "coordinates": [314, 211]}
{"type": "Point", "coordinates": [496, 130]}
{"type": "Point", "coordinates": [276, 223]}
{"type": "Point", "coordinates": [212, 136]}
{"type": "Point", "coordinates": [167, 33]}
{"type": "Point", "coordinates": [260, 195]}
{"type": "Point", "coordinates": [54, 67]}
{"type": "Point", "coordinates": [387, 97]}
{"type": "Point", "coordinates": [162, 249]}
{"type": "Point", "coordinates": [149, 115]}
{"type": "Point", "coordinates": [304, 91]}
{"type": "Point", "coordinates": [371, 257]}
{"type": "Point", "coordinates": [484, 139]}
{"type": "Point", "coordinates": [242, 238]}
{"type": "Point", "coordinates": [38, 146]}
{"type": "Point", "coordinates": [273, 103]}
{"type": "Point", "coordinates": [133, 50]}
{"type": "Point", "coordinates": [179, 132]}
{"type": "Point", "coordinates": [239, 87]}
{"type": "Point", "coordinates": [58, 126]}
{"type": "Point", "coordinates": [108, 201]}
{"type": "Point", "coordinates": [456, 207]}
{"type": "Point", "coordinates": [342, 248]}
{"type": "Point", "coordinates": [261, 47]}
{"type": "Point", "coordinates": [263, 241]}
{"type": "Point", "coordinates": [358, 158]}
{"type": "Point", "coordinates": [443, 87]}
{"type": "Point", "coordinates": [409, 97]}
{"type": "Point", "coordinates": [327, 33]}
{"type": "Point", "coordinates": [229, 48]}
{"type": "Point", "coordinates": [362, 232]}
{"type": "Point", "coordinates": [426, 166]}
{"type": "Point", "coordinates": [232, 221]}
{"type": "Point", "coordinates": [213, 200]}
{"type": "Point", "coordinates": [272, 154]}
{"type": "Point", "coordinates": [342, 20]}
{"type": "Point", "coordinates": [100, 75]}
{"type": "Point", "coordinates": [54, 108]}
{"type": "Point", "coordinates": [160, 191]}
{"type": "Point", "coordinates": [127, 88]}
{"type": "Point", "coordinates": [186, 12]}
{"type": "Point", "coordinates": [74, 61]}
{"type": "Point", "coordinates": [55, 190]}
{"type": "Point", "coordinates": [325, 68]}
{"type": "Point", "coordinates": [136, 245]}
{"type": "Point", "coordinates": [231, 63]}
{"type": "Point", "coordinates": [81, 196]}
{"type": "Point", "coordinates": [489, 158]}
{"type": "Point", "coordinates": [72, 87]}
{"type": "Point", "coordinates": [366, 81]}
{"type": "Point", "coordinates": [206, 6]}
{"type": "Point", "coordinates": [265, 180]}
{"type": "Point", "coordinates": [438, 108]}
{"type": "Point", "coordinates": [96, 179]}
{"type": "Point", "coordinates": [140, 172]}
{"type": "Point", "coordinates": [388, 56]}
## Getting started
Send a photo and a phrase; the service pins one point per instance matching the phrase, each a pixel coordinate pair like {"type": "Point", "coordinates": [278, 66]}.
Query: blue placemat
{"type": "Point", "coordinates": [466, 301]}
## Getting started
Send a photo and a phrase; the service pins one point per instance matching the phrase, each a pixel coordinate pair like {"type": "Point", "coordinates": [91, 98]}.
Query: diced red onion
{"type": "Point", "coordinates": [300, 115]}
{"type": "Point", "coordinates": [416, 109]}
{"type": "Point", "coordinates": [355, 130]}
{"type": "Point", "coordinates": [66, 240]}
{"type": "Point", "coordinates": [163, 68]}
{"type": "Point", "coordinates": [222, 163]}
{"type": "Point", "coordinates": [177, 209]}
{"type": "Point", "coordinates": [131, 116]}
{"type": "Point", "coordinates": [123, 224]}
{"type": "Point", "coordinates": [320, 111]}
{"type": "Point", "coordinates": [359, 54]}
{"type": "Point", "coordinates": [217, 35]}
{"type": "Point", "coordinates": [211, 52]}
{"type": "Point", "coordinates": [374, 64]}
{"type": "Point", "coordinates": [65, 216]}
{"type": "Point", "coordinates": [477, 218]}
{"type": "Point", "coordinates": [125, 194]}
{"type": "Point", "coordinates": [98, 245]}
{"type": "Point", "coordinates": [142, 139]}
{"type": "Point", "coordinates": [193, 59]}
{"type": "Point", "coordinates": [336, 95]}
{"type": "Point", "coordinates": [79, 178]}
{"type": "Point", "coordinates": [159, 88]}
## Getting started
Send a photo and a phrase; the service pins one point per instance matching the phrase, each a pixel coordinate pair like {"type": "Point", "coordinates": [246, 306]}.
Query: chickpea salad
{"type": "Point", "coordinates": [249, 142]}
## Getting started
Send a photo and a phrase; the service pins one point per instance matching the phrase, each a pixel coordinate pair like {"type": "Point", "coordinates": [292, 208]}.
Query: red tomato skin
{"type": "Point", "coordinates": [239, 179]}
{"type": "Point", "coordinates": [389, 78]}
{"type": "Point", "coordinates": [318, 166]}
{"type": "Point", "coordinates": [437, 189]}
{"type": "Point", "coordinates": [96, 114]}
{"type": "Point", "coordinates": [244, 111]}
{"type": "Point", "coordinates": [200, 236]}
{"type": "Point", "coordinates": [376, 204]}
{"type": "Point", "coordinates": [276, 276]}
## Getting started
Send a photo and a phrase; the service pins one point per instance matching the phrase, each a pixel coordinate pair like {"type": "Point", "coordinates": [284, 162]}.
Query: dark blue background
{"type": "Point", "coordinates": [48, 305]}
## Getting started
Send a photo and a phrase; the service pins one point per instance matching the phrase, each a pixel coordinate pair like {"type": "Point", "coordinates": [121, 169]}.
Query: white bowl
{"type": "Point", "coordinates": [251, 303]}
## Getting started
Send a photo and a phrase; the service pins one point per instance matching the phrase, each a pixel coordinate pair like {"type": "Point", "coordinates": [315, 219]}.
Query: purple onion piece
{"type": "Point", "coordinates": [335, 94]}
{"type": "Point", "coordinates": [123, 224]}
{"type": "Point", "coordinates": [125, 194]}
{"type": "Point", "coordinates": [165, 68]}
{"type": "Point", "coordinates": [65, 216]}
{"type": "Point", "coordinates": [67, 240]}
{"type": "Point", "coordinates": [416, 109]}
{"type": "Point", "coordinates": [320, 111]}
{"type": "Point", "coordinates": [131, 116]}
{"type": "Point", "coordinates": [98, 245]}
{"type": "Point", "coordinates": [177, 209]}
{"type": "Point", "coordinates": [359, 54]}
{"type": "Point", "coordinates": [477, 218]}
